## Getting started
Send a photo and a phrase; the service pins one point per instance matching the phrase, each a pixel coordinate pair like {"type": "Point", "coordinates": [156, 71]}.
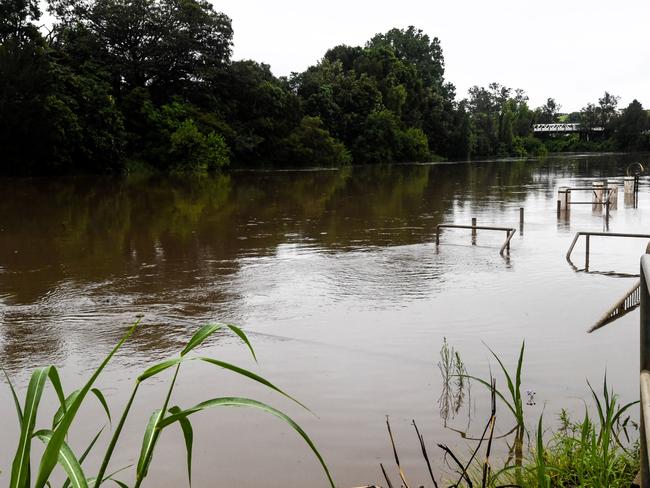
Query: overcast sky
{"type": "Point", "coordinates": [571, 50]}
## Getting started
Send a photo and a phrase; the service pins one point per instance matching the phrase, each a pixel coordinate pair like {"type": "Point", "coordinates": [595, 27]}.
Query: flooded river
{"type": "Point", "coordinates": [335, 276]}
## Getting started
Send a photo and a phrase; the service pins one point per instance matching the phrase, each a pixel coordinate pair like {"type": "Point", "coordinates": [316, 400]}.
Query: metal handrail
{"type": "Point", "coordinates": [506, 245]}
{"type": "Point", "coordinates": [630, 301]}
{"type": "Point", "coordinates": [596, 234]}
{"type": "Point", "coordinates": [644, 380]}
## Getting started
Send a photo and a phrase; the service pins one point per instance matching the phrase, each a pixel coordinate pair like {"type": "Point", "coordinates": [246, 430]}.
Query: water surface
{"type": "Point", "coordinates": [335, 276]}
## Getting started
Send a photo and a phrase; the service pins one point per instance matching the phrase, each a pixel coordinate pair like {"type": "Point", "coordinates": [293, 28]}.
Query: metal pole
{"type": "Point", "coordinates": [521, 216]}
{"type": "Point", "coordinates": [644, 327]}
{"type": "Point", "coordinates": [587, 252]}
{"type": "Point", "coordinates": [559, 206]}
{"type": "Point", "coordinates": [473, 231]}
{"type": "Point", "coordinates": [437, 236]}
{"type": "Point", "coordinates": [508, 239]}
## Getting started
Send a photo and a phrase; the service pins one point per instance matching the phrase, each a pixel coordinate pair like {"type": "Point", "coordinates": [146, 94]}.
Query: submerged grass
{"type": "Point", "coordinates": [595, 453]}
{"type": "Point", "coordinates": [57, 451]}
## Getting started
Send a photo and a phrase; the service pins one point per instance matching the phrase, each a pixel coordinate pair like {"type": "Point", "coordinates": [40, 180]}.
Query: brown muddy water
{"type": "Point", "coordinates": [335, 276]}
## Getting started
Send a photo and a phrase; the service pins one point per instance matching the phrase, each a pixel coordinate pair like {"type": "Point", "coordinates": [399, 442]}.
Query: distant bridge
{"type": "Point", "coordinates": [562, 128]}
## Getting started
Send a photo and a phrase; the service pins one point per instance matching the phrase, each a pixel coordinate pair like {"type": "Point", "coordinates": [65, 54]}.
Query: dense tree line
{"type": "Point", "coordinates": [118, 84]}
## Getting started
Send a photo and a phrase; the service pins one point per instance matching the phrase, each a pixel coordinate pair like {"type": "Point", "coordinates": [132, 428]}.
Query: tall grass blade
{"type": "Point", "coordinates": [118, 430]}
{"type": "Point", "coordinates": [63, 408]}
{"type": "Point", "coordinates": [243, 337]}
{"type": "Point", "coordinates": [85, 453]}
{"type": "Point", "coordinates": [188, 435]}
{"type": "Point", "coordinates": [53, 375]}
{"type": "Point", "coordinates": [199, 336]}
{"type": "Point", "coordinates": [543, 480]}
{"type": "Point", "coordinates": [159, 368]}
{"type": "Point", "coordinates": [19, 410]}
{"type": "Point", "coordinates": [383, 470]}
{"type": "Point", "coordinates": [119, 483]}
{"type": "Point", "coordinates": [250, 375]}
{"type": "Point", "coordinates": [50, 456]}
{"type": "Point", "coordinates": [67, 460]}
{"type": "Point", "coordinates": [392, 442]}
{"type": "Point", "coordinates": [511, 386]}
{"type": "Point", "coordinates": [247, 402]}
{"type": "Point", "coordinates": [423, 447]}
{"type": "Point", "coordinates": [104, 403]}
{"type": "Point", "coordinates": [147, 443]}
{"type": "Point", "coordinates": [520, 362]}
{"type": "Point", "coordinates": [497, 392]}
{"type": "Point", "coordinates": [65, 405]}
{"type": "Point", "coordinates": [20, 466]}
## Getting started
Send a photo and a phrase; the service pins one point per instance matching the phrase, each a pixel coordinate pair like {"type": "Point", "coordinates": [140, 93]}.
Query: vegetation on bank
{"type": "Point", "coordinates": [116, 84]}
{"type": "Point", "coordinates": [29, 470]}
{"type": "Point", "coordinates": [597, 451]}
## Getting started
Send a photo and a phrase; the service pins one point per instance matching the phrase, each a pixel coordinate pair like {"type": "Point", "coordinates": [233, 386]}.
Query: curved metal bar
{"type": "Point", "coordinates": [506, 245]}
{"type": "Point", "coordinates": [598, 234]}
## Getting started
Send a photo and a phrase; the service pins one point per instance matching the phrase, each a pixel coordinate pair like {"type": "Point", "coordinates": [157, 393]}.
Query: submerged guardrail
{"type": "Point", "coordinates": [631, 301]}
{"type": "Point", "coordinates": [587, 247]}
{"type": "Point", "coordinates": [510, 231]}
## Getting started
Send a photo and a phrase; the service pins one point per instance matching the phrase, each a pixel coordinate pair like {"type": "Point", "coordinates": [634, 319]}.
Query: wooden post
{"type": "Point", "coordinates": [559, 208]}
{"type": "Point", "coordinates": [587, 252]}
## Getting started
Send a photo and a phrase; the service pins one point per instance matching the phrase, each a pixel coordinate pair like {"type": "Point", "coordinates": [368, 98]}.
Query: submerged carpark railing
{"type": "Point", "coordinates": [508, 230]}
{"type": "Point", "coordinates": [588, 235]}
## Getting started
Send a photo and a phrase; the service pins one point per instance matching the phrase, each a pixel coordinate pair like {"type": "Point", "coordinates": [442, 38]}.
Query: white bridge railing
{"type": "Point", "coordinates": [575, 127]}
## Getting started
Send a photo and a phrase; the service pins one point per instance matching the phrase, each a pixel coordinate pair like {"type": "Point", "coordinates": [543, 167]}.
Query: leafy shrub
{"type": "Point", "coordinates": [310, 144]}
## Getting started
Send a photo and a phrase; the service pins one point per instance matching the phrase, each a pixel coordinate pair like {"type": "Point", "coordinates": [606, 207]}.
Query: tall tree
{"type": "Point", "coordinates": [164, 45]}
{"type": "Point", "coordinates": [632, 128]}
{"type": "Point", "coordinates": [548, 113]}
{"type": "Point", "coordinates": [607, 111]}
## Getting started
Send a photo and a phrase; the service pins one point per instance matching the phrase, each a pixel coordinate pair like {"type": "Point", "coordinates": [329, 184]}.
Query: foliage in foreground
{"type": "Point", "coordinates": [595, 452]}
{"type": "Point", "coordinates": [55, 437]}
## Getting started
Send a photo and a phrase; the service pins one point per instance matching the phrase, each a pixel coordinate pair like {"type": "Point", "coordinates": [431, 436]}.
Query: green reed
{"type": "Point", "coordinates": [57, 450]}
{"type": "Point", "coordinates": [595, 453]}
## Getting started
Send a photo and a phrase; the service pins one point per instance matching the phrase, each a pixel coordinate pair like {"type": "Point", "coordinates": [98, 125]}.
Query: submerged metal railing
{"type": "Point", "coordinates": [625, 305]}
{"type": "Point", "coordinates": [598, 200]}
{"type": "Point", "coordinates": [508, 230]}
{"type": "Point", "coordinates": [596, 234]}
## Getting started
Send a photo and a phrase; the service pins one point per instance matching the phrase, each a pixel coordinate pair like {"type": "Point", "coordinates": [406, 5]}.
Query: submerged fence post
{"type": "Point", "coordinates": [473, 231]}
{"type": "Point", "coordinates": [559, 208]}
{"type": "Point", "coordinates": [587, 252]}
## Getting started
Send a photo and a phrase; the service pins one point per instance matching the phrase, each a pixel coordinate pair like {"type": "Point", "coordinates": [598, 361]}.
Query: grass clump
{"type": "Point", "coordinates": [57, 451]}
{"type": "Point", "coordinates": [596, 452]}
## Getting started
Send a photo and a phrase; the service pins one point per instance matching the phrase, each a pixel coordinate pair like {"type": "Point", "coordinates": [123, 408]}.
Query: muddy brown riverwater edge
{"type": "Point", "coordinates": [335, 276]}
